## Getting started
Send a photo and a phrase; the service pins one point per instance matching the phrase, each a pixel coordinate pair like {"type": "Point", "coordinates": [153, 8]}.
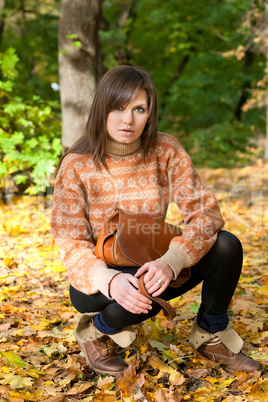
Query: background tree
{"type": "Point", "coordinates": [257, 24]}
{"type": "Point", "coordinates": [78, 64]}
{"type": "Point", "coordinates": [207, 60]}
{"type": "Point", "coordinates": [2, 17]}
{"type": "Point", "coordinates": [31, 27]}
{"type": "Point", "coordinates": [202, 91]}
{"type": "Point", "coordinates": [29, 107]}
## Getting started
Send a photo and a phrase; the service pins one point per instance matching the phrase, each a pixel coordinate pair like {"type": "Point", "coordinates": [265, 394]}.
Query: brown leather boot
{"type": "Point", "coordinates": [101, 356]}
{"type": "Point", "coordinates": [223, 347]}
{"type": "Point", "coordinates": [100, 349]}
{"type": "Point", "coordinates": [216, 351]}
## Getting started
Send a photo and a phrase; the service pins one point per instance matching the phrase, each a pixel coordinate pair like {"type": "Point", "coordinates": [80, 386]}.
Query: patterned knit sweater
{"type": "Point", "coordinates": [84, 197]}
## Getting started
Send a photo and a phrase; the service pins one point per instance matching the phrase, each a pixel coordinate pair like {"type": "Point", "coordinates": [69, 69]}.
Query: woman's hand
{"type": "Point", "coordinates": [124, 290]}
{"type": "Point", "coordinates": [157, 270]}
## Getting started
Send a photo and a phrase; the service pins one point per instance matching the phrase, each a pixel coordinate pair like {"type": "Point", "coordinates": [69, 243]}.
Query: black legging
{"type": "Point", "coordinates": [220, 269]}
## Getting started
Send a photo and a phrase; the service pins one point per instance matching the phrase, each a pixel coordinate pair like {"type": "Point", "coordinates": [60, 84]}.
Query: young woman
{"type": "Point", "coordinates": [123, 161]}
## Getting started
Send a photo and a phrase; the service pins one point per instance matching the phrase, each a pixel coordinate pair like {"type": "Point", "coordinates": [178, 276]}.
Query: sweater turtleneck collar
{"type": "Point", "coordinates": [122, 149]}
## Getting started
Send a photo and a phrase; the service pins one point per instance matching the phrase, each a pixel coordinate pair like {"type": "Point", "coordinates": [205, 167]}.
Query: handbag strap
{"type": "Point", "coordinates": [168, 310]}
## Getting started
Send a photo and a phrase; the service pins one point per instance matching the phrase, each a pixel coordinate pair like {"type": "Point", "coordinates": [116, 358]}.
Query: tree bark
{"type": "Point", "coordinates": [2, 18]}
{"type": "Point", "coordinates": [79, 66]}
{"type": "Point", "coordinates": [249, 57]}
{"type": "Point", "coordinates": [266, 52]}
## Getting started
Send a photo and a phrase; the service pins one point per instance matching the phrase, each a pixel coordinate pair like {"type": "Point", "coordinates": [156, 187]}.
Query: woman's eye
{"type": "Point", "coordinates": [119, 108]}
{"type": "Point", "coordinates": [140, 109]}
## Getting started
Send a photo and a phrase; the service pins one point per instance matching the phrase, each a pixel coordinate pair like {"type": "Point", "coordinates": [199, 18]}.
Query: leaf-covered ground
{"type": "Point", "coordinates": [39, 357]}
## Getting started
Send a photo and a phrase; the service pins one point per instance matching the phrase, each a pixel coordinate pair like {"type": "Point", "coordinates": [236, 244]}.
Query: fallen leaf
{"type": "Point", "coordinates": [66, 380]}
{"type": "Point", "coordinates": [80, 389]}
{"type": "Point", "coordinates": [158, 345]}
{"type": "Point", "coordinates": [4, 327]}
{"type": "Point", "coordinates": [105, 383]}
{"type": "Point", "coordinates": [16, 381]}
{"type": "Point", "coordinates": [38, 319]}
{"type": "Point", "coordinates": [176, 378]}
{"type": "Point", "coordinates": [24, 396]}
{"type": "Point", "coordinates": [156, 363]}
{"type": "Point", "coordinates": [13, 359]}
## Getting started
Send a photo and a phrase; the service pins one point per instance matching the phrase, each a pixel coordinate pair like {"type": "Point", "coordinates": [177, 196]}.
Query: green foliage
{"type": "Point", "coordinates": [200, 90]}
{"type": "Point", "coordinates": [210, 147]}
{"type": "Point", "coordinates": [29, 133]}
{"type": "Point", "coordinates": [31, 27]}
{"type": "Point", "coordinates": [189, 48]}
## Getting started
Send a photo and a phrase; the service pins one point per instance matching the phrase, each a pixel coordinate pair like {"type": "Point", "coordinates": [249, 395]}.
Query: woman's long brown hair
{"type": "Point", "coordinates": [116, 88]}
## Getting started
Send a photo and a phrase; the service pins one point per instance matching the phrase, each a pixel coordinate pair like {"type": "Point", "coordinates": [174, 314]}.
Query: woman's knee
{"type": "Point", "coordinates": [229, 247]}
{"type": "Point", "coordinates": [228, 241]}
{"type": "Point", "coordinates": [88, 303]}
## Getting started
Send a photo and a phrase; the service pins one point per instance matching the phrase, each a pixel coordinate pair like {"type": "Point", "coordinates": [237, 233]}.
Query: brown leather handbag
{"type": "Point", "coordinates": [130, 240]}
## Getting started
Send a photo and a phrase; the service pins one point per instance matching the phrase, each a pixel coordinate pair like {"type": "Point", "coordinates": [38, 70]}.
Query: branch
{"type": "Point", "coordinates": [176, 75]}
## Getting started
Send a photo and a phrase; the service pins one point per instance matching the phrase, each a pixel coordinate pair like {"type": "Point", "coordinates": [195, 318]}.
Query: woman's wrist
{"type": "Point", "coordinates": [109, 285]}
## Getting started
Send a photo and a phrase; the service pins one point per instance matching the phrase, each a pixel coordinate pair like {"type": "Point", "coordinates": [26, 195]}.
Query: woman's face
{"type": "Point", "coordinates": [126, 123]}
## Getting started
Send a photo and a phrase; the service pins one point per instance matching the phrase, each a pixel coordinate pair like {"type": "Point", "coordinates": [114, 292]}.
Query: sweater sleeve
{"type": "Point", "coordinates": [200, 209]}
{"type": "Point", "coordinates": [71, 230]}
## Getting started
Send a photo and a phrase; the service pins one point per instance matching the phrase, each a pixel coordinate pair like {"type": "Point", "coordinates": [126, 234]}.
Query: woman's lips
{"type": "Point", "coordinates": [127, 131]}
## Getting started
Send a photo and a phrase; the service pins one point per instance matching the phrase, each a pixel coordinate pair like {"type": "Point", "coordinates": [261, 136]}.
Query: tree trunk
{"type": "Point", "coordinates": [78, 64]}
{"type": "Point", "coordinates": [266, 48]}
{"type": "Point", "coordinates": [2, 18]}
{"type": "Point", "coordinates": [249, 58]}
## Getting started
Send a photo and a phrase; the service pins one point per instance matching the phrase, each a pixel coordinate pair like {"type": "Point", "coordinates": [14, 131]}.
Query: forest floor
{"type": "Point", "coordinates": [39, 357]}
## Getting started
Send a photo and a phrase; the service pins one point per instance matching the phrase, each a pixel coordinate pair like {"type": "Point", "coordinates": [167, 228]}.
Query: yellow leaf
{"type": "Point", "coordinates": [105, 383]}
{"type": "Point", "coordinates": [65, 381]}
{"type": "Point", "coordinates": [176, 378]}
{"type": "Point", "coordinates": [16, 231]}
{"type": "Point", "coordinates": [47, 383]}
{"type": "Point", "coordinates": [24, 395]}
{"type": "Point", "coordinates": [41, 325]}
{"type": "Point", "coordinates": [33, 372]}
{"type": "Point", "coordinates": [56, 268]}
{"type": "Point", "coordinates": [66, 293]}
{"type": "Point", "coordinates": [5, 369]}
{"type": "Point", "coordinates": [16, 381]}
{"type": "Point", "coordinates": [9, 262]}
{"type": "Point", "coordinates": [156, 363]}
{"type": "Point", "coordinates": [260, 389]}
{"type": "Point", "coordinates": [143, 348]}
{"type": "Point", "coordinates": [220, 383]}
{"type": "Point", "coordinates": [263, 290]}
{"type": "Point", "coordinates": [13, 359]}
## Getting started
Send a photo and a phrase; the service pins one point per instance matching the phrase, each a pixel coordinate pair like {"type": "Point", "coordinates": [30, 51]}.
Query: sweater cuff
{"type": "Point", "coordinates": [102, 278]}
{"type": "Point", "coordinates": [177, 257]}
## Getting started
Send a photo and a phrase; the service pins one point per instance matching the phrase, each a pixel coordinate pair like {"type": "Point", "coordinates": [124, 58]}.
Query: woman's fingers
{"type": "Point", "coordinates": [158, 277]}
{"type": "Point", "coordinates": [141, 271]}
{"type": "Point", "coordinates": [131, 304]}
{"type": "Point", "coordinates": [135, 292]}
{"type": "Point", "coordinates": [154, 288]}
{"type": "Point", "coordinates": [139, 302]}
{"type": "Point", "coordinates": [155, 279]}
{"type": "Point", "coordinates": [159, 290]}
{"type": "Point", "coordinates": [123, 289]}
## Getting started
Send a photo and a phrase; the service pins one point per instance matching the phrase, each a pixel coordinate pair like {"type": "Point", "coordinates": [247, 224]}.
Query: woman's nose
{"type": "Point", "coordinates": [128, 117]}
